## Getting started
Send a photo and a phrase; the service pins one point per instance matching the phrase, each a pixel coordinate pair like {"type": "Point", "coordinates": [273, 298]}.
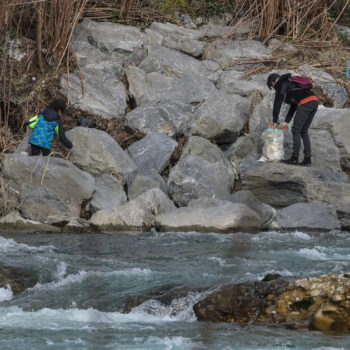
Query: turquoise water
{"type": "Point", "coordinates": [85, 281]}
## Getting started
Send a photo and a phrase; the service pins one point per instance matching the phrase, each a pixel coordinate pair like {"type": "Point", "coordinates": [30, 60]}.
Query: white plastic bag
{"type": "Point", "coordinates": [273, 145]}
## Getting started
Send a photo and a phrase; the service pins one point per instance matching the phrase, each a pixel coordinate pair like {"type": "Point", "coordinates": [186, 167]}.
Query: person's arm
{"type": "Point", "coordinates": [62, 135]}
{"type": "Point", "coordinates": [279, 97]}
{"type": "Point", "coordinates": [290, 113]}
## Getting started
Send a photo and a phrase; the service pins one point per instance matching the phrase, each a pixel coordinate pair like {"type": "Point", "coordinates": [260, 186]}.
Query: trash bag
{"type": "Point", "coordinates": [273, 145]}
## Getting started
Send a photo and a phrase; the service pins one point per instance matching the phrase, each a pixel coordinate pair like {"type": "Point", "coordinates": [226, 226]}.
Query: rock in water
{"type": "Point", "coordinates": [320, 303]}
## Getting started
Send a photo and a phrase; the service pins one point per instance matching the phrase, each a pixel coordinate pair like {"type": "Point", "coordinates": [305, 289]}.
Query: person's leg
{"type": "Point", "coordinates": [298, 123]}
{"type": "Point", "coordinates": [45, 151]}
{"type": "Point", "coordinates": [312, 107]}
{"type": "Point", "coordinates": [35, 150]}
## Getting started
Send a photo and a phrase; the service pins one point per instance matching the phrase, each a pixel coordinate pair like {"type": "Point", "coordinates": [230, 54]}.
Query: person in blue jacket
{"type": "Point", "coordinates": [45, 125]}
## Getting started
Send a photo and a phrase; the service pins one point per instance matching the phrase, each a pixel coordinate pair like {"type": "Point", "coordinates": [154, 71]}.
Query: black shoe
{"type": "Point", "coordinates": [306, 162]}
{"type": "Point", "coordinates": [291, 161]}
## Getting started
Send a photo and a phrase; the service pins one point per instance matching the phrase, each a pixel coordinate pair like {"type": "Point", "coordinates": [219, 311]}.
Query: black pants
{"type": "Point", "coordinates": [302, 121]}
{"type": "Point", "coordinates": [36, 150]}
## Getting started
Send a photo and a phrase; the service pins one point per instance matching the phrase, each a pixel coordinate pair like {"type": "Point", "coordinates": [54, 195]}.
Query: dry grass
{"type": "Point", "coordinates": [7, 202]}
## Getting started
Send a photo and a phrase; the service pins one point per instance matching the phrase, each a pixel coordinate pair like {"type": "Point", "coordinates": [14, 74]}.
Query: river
{"type": "Point", "coordinates": [85, 281]}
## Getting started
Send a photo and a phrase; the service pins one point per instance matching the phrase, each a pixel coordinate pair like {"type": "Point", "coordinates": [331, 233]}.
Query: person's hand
{"type": "Point", "coordinates": [272, 125]}
{"type": "Point", "coordinates": [284, 126]}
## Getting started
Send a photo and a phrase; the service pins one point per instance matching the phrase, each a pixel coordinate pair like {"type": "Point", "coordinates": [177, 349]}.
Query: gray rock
{"type": "Point", "coordinates": [183, 43]}
{"type": "Point", "coordinates": [136, 215]}
{"type": "Point", "coordinates": [169, 28]}
{"type": "Point", "coordinates": [145, 180]}
{"type": "Point", "coordinates": [308, 216]}
{"type": "Point", "coordinates": [110, 38]}
{"type": "Point", "coordinates": [243, 148]}
{"type": "Point", "coordinates": [98, 153]}
{"type": "Point", "coordinates": [101, 93]}
{"type": "Point", "coordinates": [108, 193]}
{"type": "Point", "coordinates": [90, 57]}
{"type": "Point", "coordinates": [231, 83]}
{"type": "Point", "coordinates": [167, 119]}
{"type": "Point", "coordinates": [155, 88]}
{"type": "Point", "coordinates": [24, 146]}
{"type": "Point", "coordinates": [344, 31]}
{"type": "Point", "coordinates": [71, 185]}
{"type": "Point", "coordinates": [326, 82]}
{"type": "Point", "coordinates": [203, 171]}
{"type": "Point", "coordinates": [281, 185]}
{"type": "Point", "coordinates": [76, 225]}
{"type": "Point", "coordinates": [229, 52]}
{"type": "Point", "coordinates": [340, 130]}
{"type": "Point", "coordinates": [152, 39]}
{"type": "Point", "coordinates": [14, 222]}
{"type": "Point", "coordinates": [153, 151]}
{"type": "Point", "coordinates": [265, 212]}
{"type": "Point", "coordinates": [210, 216]}
{"type": "Point", "coordinates": [38, 203]}
{"type": "Point", "coordinates": [185, 19]}
{"type": "Point", "coordinates": [221, 117]}
{"type": "Point", "coordinates": [176, 64]}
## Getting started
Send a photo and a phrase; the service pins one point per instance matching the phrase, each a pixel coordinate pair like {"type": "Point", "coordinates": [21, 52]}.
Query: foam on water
{"type": "Point", "coordinates": [274, 235]}
{"type": "Point", "coordinates": [169, 343]}
{"type": "Point", "coordinates": [312, 254]}
{"type": "Point", "coordinates": [9, 245]}
{"type": "Point", "coordinates": [6, 294]}
{"type": "Point", "coordinates": [59, 319]}
{"type": "Point", "coordinates": [61, 270]}
{"type": "Point", "coordinates": [82, 275]}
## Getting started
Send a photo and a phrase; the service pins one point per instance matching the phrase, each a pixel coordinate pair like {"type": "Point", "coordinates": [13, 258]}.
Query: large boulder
{"type": "Point", "coordinates": [229, 52]}
{"type": "Point", "coordinates": [98, 153]}
{"type": "Point", "coordinates": [153, 151]}
{"type": "Point", "coordinates": [59, 176]}
{"type": "Point", "coordinates": [210, 215]}
{"type": "Point", "coordinates": [155, 88]}
{"type": "Point", "coordinates": [169, 28]}
{"type": "Point", "coordinates": [265, 212]}
{"type": "Point", "coordinates": [337, 123]}
{"type": "Point", "coordinates": [203, 171]}
{"type": "Point", "coordinates": [136, 215]}
{"type": "Point", "coordinates": [243, 149]}
{"type": "Point", "coordinates": [103, 50]}
{"type": "Point", "coordinates": [173, 40]}
{"type": "Point", "coordinates": [14, 222]}
{"type": "Point", "coordinates": [169, 119]}
{"type": "Point", "coordinates": [100, 93]}
{"type": "Point", "coordinates": [281, 185]}
{"type": "Point", "coordinates": [175, 64]}
{"type": "Point", "coordinates": [231, 83]}
{"type": "Point", "coordinates": [110, 38]}
{"type": "Point", "coordinates": [38, 203]}
{"type": "Point", "coordinates": [108, 193]}
{"type": "Point", "coordinates": [221, 117]}
{"type": "Point", "coordinates": [309, 217]}
{"type": "Point", "coordinates": [318, 303]}
{"type": "Point", "coordinates": [145, 180]}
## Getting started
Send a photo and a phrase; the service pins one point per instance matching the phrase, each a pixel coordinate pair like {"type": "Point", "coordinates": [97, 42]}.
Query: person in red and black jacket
{"type": "Point", "coordinates": [303, 103]}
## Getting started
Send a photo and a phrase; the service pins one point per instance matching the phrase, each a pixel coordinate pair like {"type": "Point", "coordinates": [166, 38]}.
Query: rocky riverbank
{"type": "Point", "coordinates": [318, 303]}
{"type": "Point", "coordinates": [185, 90]}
